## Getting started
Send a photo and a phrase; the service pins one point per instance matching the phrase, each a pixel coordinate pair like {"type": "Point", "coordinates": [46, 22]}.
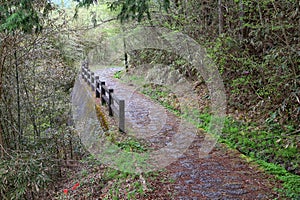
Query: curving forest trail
{"type": "Point", "coordinates": [223, 174]}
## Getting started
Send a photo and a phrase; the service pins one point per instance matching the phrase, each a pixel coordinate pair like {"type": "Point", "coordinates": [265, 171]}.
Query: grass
{"type": "Point", "coordinates": [164, 96]}
{"type": "Point", "coordinates": [291, 182]}
{"type": "Point", "coordinates": [132, 145]}
{"type": "Point", "coordinates": [107, 182]}
{"type": "Point", "coordinates": [126, 143]}
{"type": "Point", "coordinates": [125, 185]}
{"type": "Point", "coordinates": [268, 149]}
{"type": "Point", "coordinates": [120, 182]}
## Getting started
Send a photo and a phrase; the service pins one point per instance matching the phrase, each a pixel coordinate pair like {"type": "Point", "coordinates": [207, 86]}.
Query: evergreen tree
{"type": "Point", "coordinates": [24, 15]}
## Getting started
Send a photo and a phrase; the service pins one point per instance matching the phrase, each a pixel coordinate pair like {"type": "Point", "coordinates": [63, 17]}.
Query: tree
{"type": "Point", "coordinates": [137, 9]}
{"type": "Point", "coordinates": [221, 17]}
{"type": "Point", "coordinates": [23, 15]}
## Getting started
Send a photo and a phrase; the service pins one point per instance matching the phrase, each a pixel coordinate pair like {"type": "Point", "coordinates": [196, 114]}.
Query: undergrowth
{"type": "Point", "coordinates": [131, 145]}
{"type": "Point", "coordinates": [108, 183]}
{"type": "Point", "coordinates": [25, 175]}
{"type": "Point", "coordinates": [164, 96]}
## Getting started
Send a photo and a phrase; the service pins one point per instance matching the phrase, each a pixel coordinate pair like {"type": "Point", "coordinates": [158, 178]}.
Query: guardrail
{"type": "Point", "coordinates": [116, 106]}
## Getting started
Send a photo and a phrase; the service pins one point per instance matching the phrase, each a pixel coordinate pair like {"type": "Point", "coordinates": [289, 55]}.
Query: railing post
{"type": "Point", "coordinates": [86, 63]}
{"type": "Point", "coordinates": [102, 92]}
{"type": "Point", "coordinates": [93, 81]}
{"type": "Point", "coordinates": [82, 71]}
{"type": "Point", "coordinates": [97, 86]}
{"type": "Point", "coordinates": [122, 116]}
{"type": "Point", "coordinates": [88, 76]}
{"type": "Point", "coordinates": [110, 112]}
{"type": "Point", "coordinates": [85, 74]}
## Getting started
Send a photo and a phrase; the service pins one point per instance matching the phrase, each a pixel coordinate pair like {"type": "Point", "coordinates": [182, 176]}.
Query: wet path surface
{"type": "Point", "coordinates": [221, 175]}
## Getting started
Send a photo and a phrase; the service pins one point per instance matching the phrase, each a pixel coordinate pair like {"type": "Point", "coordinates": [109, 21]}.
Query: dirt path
{"type": "Point", "coordinates": [221, 175]}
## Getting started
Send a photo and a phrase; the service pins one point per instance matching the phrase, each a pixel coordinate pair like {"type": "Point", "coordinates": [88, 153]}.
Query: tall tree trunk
{"type": "Point", "coordinates": [221, 17]}
{"type": "Point", "coordinates": [1, 143]}
{"type": "Point", "coordinates": [19, 128]}
{"type": "Point", "coordinates": [241, 16]}
{"type": "Point", "coordinates": [2, 61]}
{"type": "Point", "coordinates": [125, 50]}
{"type": "Point", "coordinates": [1, 131]}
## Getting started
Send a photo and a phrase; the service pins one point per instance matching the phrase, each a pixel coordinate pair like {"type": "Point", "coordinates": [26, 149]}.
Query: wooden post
{"type": "Point", "coordinates": [93, 81]}
{"type": "Point", "coordinates": [122, 116]}
{"type": "Point", "coordinates": [86, 63]}
{"type": "Point", "coordinates": [97, 86]}
{"type": "Point", "coordinates": [102, 92]}
{"type": "Point", "coordinates": [85, 74]}
{"type": "Point", "coordinates": [110, 112]}
{"type": "Point", "coordinates": [88, 76]}
{"type": "Point", "coordinates": [82, 71]}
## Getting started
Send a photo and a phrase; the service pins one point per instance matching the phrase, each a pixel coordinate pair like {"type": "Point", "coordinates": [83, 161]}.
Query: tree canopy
{"type": "Point", "coordinates": [25, 15]}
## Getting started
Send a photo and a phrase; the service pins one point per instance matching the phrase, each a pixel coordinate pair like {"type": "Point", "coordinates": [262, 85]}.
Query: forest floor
{"type": "Point", "coordinates": [223, 174]}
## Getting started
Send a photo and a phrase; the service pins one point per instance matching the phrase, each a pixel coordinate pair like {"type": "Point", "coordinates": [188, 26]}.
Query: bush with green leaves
{"type": "Point", "coordinates": [24, 175]}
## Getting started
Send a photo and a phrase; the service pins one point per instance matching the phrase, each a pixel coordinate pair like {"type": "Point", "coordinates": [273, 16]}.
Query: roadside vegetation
{"type": "Point", "coordinates": [40, 49]}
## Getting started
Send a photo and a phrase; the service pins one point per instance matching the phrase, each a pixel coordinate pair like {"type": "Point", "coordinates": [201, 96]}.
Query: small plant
{"type": "Point", "coordinates": [131, 145]}
{"type": "Point", "coordinates": [111, 136]}
{"type": "Point", "coordinates": [118, 74]}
